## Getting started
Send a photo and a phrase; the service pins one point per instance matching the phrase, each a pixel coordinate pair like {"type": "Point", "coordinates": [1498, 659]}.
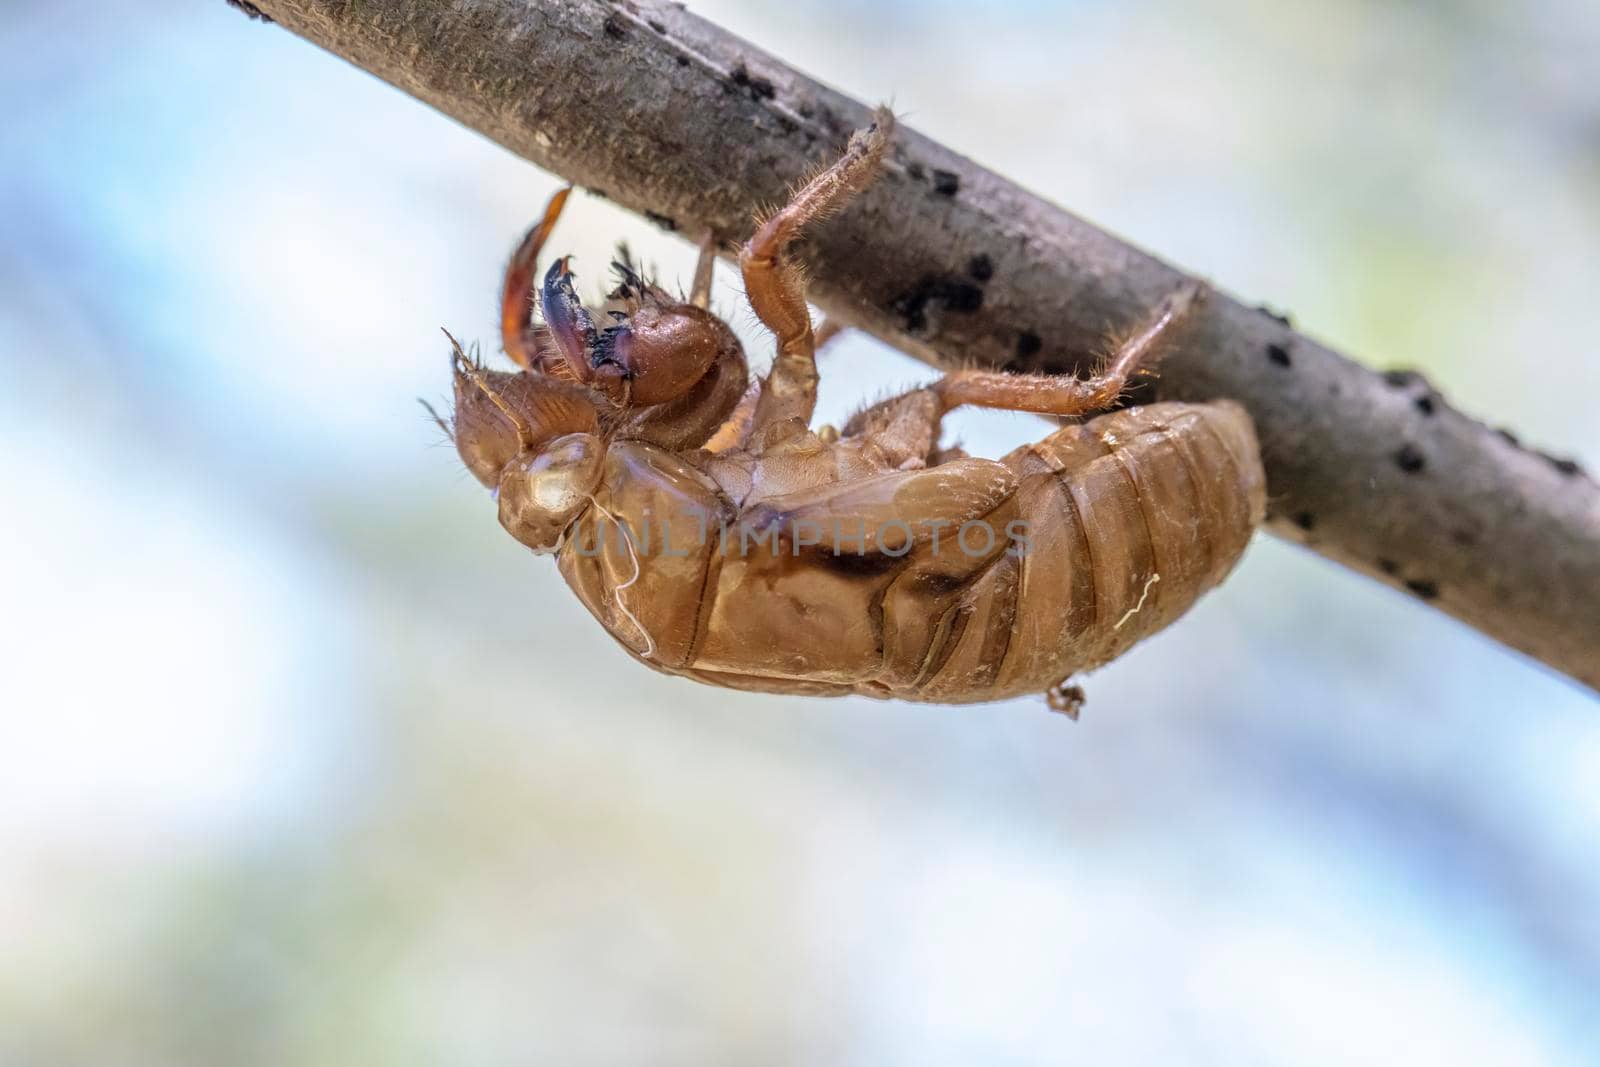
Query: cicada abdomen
{"type": "Point", "coordinates": [1127, 518]}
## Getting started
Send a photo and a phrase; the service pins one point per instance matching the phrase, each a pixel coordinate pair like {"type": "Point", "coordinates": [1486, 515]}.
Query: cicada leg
{"type": "Point", "coordinates": [774, 283]}
{"type": "Point", "coordinates": [1058, 394]}
{"type": "Point", "coordinates": [522, 339]}
{"type": "Point", "coordinates": [1066, 699]}
{"type": "Point", "coordinates": [736, 430]}
{"type": "Point", "coordinates": [700, 289]}
{"type": "Point", "coordinates": [904, 430]}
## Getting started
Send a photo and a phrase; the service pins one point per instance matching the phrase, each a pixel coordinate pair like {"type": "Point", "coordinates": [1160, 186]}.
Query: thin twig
{"type": "Point", "coordinates": [672, 117]}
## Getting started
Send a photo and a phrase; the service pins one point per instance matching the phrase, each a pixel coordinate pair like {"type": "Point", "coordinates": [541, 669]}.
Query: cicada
{"type": "Point", "coordinates": [718, 536]}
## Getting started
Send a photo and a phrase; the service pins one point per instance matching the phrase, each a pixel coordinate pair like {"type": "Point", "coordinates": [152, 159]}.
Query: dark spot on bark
{"type": "Point", "coordinates": [683, 60]}
{"type": "Point", "coordinates": [1276, 316]}
{"type": "Point", "coordinates": [758, 87]}
{"type": "Point", "coordinates": [1399, 379]}
{"type": "Point", "coordinates": [959, 296]}
{"type": "Point", "coordinates": [1306, 521]}
{"type": "Point", "coordinates": [1279, 354]}
{"type": "Point", "coordinates": [911, 316]}
{"type": "Point", "coordinates": [666, 222]}
{"type": "Point", "coordinates": [981, 267]}
{"type": "Point", "coordinates": [1410, 459]}
{"type": "Point", "coordinates": [1423, 588]}
{"type": "Point", "coordinates": [250, 9]}
{"type": "Point", "coordinates": [616, 29]}
{"type": "Point", "coordinates": [1028, 344]}
{"type": "Point", "coordinates": [1563, 465]}
{"type": "Point", "coordinates": [1463, 537]}
{"type": "Point", "coordinates": [1509, 438]}
{"type": "Point", "coordinates": [946, 183]}
{"type": "Point", "coordinates": [953, 294]}
{"type": "Point", "coordinates": [1389, 566]}
{"type": "Point", "coordinates": [914, 169]}
{"type": "Point", "coordinates": [1425, 404]}
{"type": "Point", "coordinates": [831, 118]}
{"type": "Point", "coordinates": [659, 27]}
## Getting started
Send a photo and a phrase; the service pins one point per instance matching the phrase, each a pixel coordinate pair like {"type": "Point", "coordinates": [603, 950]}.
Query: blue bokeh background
{"type": "Point", "coordinates": [302, 760]}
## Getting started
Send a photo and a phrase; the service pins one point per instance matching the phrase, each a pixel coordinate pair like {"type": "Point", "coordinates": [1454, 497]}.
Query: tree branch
{"type": "Point", "coordinates": [672, 117]}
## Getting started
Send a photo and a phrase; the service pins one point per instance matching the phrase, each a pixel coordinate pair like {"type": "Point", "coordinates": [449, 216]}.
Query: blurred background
{"type": "Point", "coordinates": [302, 760]}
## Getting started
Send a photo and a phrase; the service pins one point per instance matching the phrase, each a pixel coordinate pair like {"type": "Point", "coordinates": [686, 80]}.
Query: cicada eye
{"type": "Point", "coordinates": [663, 352]}
{"type": "Point", "coordinates": [541, 492]}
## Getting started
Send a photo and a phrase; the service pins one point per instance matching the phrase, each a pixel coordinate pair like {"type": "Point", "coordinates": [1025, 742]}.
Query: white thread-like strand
{"type": "Point", "coordinates": [1131, 612]}
{"type": "Point", "coordinates": [633, 555]}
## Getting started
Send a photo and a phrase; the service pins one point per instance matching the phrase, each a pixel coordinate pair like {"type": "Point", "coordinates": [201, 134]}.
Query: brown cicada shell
{"type": "Point", "coordinates": [717, 537]}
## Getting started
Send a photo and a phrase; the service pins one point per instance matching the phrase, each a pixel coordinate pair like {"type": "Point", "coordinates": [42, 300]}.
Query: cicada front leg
{"type": "Point", "coordinates": [735, 432]}
{"type": "Point", "coordinates": [774, 283]}
{"type": "Point", "coordinates": [526, 342]}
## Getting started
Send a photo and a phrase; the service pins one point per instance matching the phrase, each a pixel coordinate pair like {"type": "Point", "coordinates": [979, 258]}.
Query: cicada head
{"type": "Point", "coordinates": [500, 415]}
{"type": "Point", "coordinates": [534, 440]}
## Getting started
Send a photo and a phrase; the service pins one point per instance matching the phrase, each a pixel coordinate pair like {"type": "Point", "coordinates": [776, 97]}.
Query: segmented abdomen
{"type": "Point", "coordinates": [1130, 517]}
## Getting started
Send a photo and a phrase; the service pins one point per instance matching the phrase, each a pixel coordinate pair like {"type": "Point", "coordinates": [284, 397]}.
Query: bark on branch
{"type": "Point", "coordinates": [674, 118]}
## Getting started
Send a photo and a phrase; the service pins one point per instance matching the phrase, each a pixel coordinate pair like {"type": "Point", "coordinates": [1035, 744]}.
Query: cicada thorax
{"type": "Point", "coordinates": [641, 556]}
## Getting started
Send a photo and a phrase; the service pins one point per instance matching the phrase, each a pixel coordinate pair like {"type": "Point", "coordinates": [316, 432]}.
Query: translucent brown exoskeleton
{"type": "Point", "coordinates": [716, 536]}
